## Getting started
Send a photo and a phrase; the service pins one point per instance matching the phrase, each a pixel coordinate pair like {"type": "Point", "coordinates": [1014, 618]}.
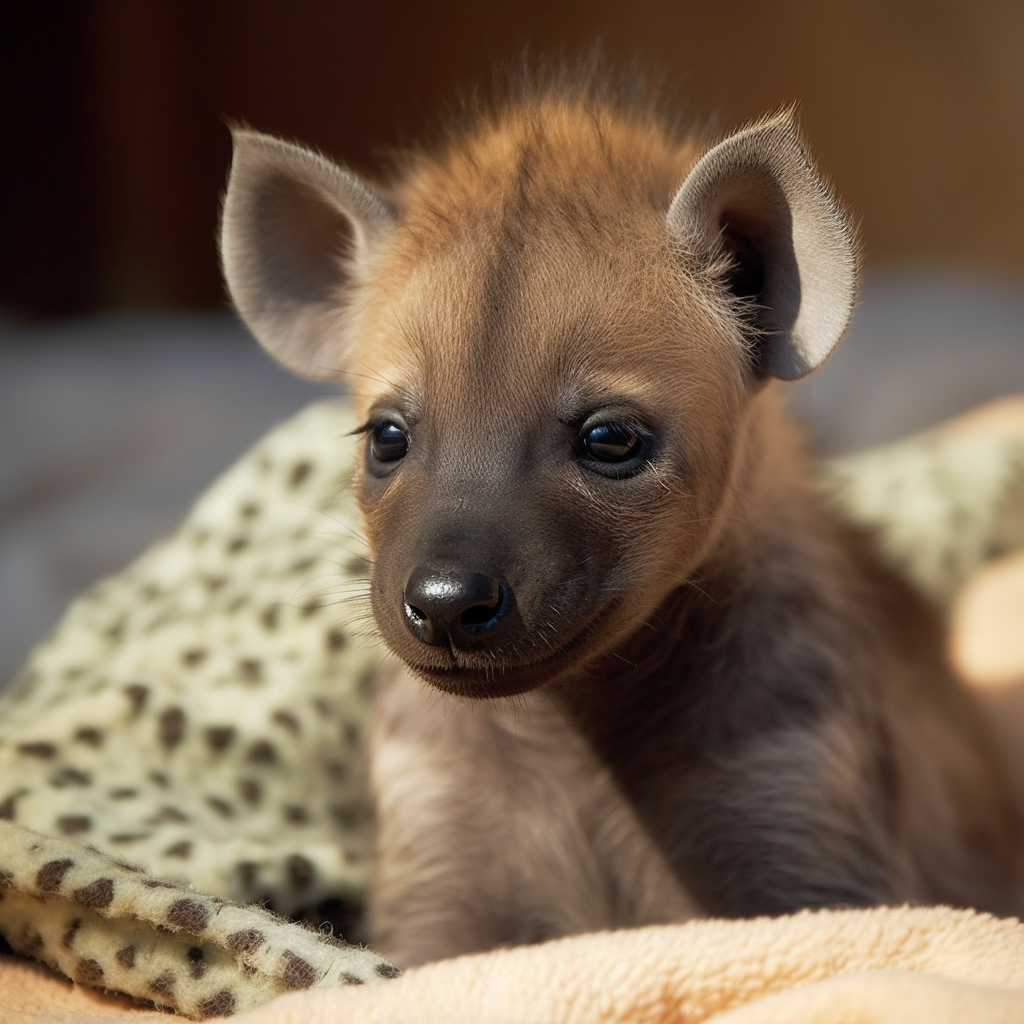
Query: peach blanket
{"type": "Point", "coordinates": [903, 965]}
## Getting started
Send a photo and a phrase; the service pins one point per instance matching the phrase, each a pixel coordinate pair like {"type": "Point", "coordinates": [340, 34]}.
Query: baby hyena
{"type": "Point", "coordinates": [678, 684]}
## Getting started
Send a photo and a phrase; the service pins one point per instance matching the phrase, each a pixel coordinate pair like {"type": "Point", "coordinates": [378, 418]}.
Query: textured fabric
{"type": "Point", "coordinates": [884, 966]}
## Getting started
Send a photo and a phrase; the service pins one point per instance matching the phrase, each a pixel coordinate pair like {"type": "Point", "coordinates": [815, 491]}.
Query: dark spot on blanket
{"type": "Point", "coordinates": [357, 565]}
{"type": "Point", "coordinates": [296, 814]}
{"type": "Point", "coordinates": [220, 737]}
{"type": "Point", "coordinates": [289, 721]}
{"type": "Point", "coordinates": [237, 544]}
{"type": "Point", "coordinates": [70, 777]}
{"type": "Point", "coordinates": [30, 941]}
{"type": "Point", "coordinates": [221, 806]}
{"type": "Point", "coordinates": [190, 915]}
{"type": "Point", "coordinates": [196, 962]}
{"type": "Point", "coordinates": [163, 984]}
{"type": "Point", "coordinates": [263, 752]}
{"type": "Point", "coordinates": [167, 813]}
{"type": "Point", "coordinates": [96, 895]}
{"type": "Point", "coordinates": [251, 790]}
{"type": "Point", "coordinates": [350, 733]}
{"type": "Point", "coordinates": [311, 607]}
{"type": "Point", "coordinates": [251, 670]}
{"type": "Point", "coordinates": [89, 972]}
{"type": "Point", "coordinates": [387, 971]}
{"type": "Point", "coordinates": [123, 793]}
{"type": "Point", "coordinates": [182, 848]}
{"type": "Point", "coordinates": [300, 870]}
{"type": "Point", "coordinates": [351, 815]}
{"type": "Point", "coordinates": [247, 871]}
{"type": "Point", "coordinates": [246, 941]}
{"type": "Point", "coordinates": [336, 639]}
{"type": "Point", "coordinates": [270, 616]}
{"type": "Point", "coordinates": [172, 727]}
{"type": "Point", "coordinates": [74, 824]}
{"type": "Point", "coordinates": [90, 735]}
{"type": "Point", "coordinates": [7, 808]}
{"type": "Point", "coordinates": [302, 566]}
{"type": "Point", "coordinates": [299, 472]}
{"type": "Point", "coordinates": [297, 973]}
{"type": "Point", "coordinates": [193, 656]}
{"type": "Point", "coordinates": [125, 956]}
{"type": "Point", "coordinates": [138, 695]}
{"type": "Point", "coordinates": [250, 510]}
{"type": "Point", "coordinates": [68, 938]}
{"type": "Point", "coordinates": [336, 770]}
{"type": "Point", "coordinates": [366, 682]}
{"type": "Point", "coordinates": [221, 1004]}
{"type": "Point", "coordinates": [37, 749]}
{"type": "Point", "coordinates": [160, 779]}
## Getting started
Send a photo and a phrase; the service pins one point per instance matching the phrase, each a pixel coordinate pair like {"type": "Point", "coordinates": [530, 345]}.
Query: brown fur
{"type": "Point", "coordinates": [706, 695]}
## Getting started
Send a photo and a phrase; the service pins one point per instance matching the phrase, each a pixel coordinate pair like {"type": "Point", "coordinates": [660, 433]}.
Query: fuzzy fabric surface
{"type": "Point", "coordinates": [182, 759]}
{"type": "Point", "coordinates": [885, 966]}
{"type": "Point", "coordinates": [200, 717]}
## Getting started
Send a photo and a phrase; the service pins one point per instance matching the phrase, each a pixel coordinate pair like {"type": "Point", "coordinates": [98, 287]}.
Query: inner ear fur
{"type": "Point", "coordinates": [756, 200]}
{"type": "Point", "coordinates": [296, 233]}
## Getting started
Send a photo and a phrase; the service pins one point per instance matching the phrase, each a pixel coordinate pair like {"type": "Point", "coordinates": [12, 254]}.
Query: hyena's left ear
{"type": "Point", "coordinates": [756, 199]}
{"type": "Point", "coordinates": [296, 235]}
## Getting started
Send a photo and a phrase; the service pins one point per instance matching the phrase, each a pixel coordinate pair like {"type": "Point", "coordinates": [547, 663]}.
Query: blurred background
{"type": "Point", "coordinates": [125, 386]}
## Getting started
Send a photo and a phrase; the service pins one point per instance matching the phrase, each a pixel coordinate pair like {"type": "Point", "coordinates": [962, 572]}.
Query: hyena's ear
{"type": "Point", "coordinates": [756, 199]}
{"type": "Point", "coordinates": [296, 234]}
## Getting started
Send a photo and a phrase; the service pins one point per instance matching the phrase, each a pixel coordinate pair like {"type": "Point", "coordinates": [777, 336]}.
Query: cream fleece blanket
{"type": "Point", "coordinates": [933, 966]}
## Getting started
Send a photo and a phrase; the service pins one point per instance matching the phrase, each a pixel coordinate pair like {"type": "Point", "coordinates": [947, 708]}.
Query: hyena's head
{"type": "Point", "coordinates": [552, 330]}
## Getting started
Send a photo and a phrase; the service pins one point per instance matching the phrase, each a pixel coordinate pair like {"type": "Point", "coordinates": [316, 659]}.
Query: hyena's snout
{"type": "Point", "coordinates": [446, 605]}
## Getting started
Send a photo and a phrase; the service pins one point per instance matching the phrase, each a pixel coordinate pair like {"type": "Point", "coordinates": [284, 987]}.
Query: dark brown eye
{"type": "Point", "coordinates": [388, 442]}
{"type": "Point", "coordinates": [612, 442]}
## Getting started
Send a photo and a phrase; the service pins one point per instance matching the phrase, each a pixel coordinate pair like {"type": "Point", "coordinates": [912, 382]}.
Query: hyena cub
{"type": "Point", "coordinates": [678, 684]}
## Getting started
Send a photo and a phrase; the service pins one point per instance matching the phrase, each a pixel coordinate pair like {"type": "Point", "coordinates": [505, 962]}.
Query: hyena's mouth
{"type": "Point", "coordinates": [482, 675]}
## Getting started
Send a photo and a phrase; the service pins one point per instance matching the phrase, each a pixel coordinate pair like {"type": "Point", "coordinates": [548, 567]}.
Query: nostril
{"type": "Point", "coordinates": [414, 613]}
{"type": "Point", "coordinates": [485, 615]}
{"type": "Point", "coordinates": [480, 615]}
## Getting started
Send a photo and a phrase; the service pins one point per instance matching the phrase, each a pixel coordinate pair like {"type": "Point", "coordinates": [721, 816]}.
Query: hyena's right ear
{"type": "Point", "coordinates": [756, 200]}
{"type": "Point", "coordinates": [296, 234]}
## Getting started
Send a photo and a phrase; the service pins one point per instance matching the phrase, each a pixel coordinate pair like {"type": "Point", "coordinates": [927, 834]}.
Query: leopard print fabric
{"type": "Point", "coordinates": [105, 923]}
{"type": "Point", "coordinates": [940, 503]}
{"type": "Point", "coordinates": [201, 716]}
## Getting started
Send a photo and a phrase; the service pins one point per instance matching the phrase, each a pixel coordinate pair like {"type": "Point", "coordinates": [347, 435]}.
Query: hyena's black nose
{"type": "Point", "coordinates": [444, 604]}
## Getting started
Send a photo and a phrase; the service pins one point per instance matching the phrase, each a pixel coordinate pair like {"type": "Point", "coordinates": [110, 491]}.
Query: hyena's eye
{"type": "Point", "coordinates": [615, 449]}
{"type": "Point", "coordinates": [388, 442]}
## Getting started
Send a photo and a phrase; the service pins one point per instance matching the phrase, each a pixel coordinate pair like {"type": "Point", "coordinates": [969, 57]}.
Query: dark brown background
{"type": "Point", "coordinates": [115, 148]}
